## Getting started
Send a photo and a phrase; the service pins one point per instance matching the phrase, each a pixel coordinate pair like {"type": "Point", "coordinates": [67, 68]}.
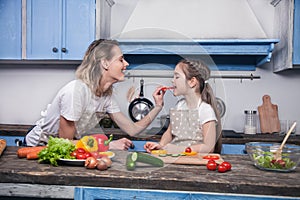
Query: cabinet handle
{"type": "Point", "coordinates": [55, 49]}
{"type": "Point", "coordinates": [64, 50]}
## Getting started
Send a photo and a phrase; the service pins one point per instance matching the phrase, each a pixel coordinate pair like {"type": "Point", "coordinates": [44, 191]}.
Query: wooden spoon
{"type": "Point", "coordinates": [279, 151]}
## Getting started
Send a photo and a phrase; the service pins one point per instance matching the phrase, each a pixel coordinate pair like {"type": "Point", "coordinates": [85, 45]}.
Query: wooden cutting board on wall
{"type": "Point", "coordinates": [268, 116]}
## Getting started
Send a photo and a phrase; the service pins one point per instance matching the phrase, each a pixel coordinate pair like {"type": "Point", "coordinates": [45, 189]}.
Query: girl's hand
{"type": "Point", "coordinates": [121, 144]}
{"type": "Point", "coordinates": [149, 146]}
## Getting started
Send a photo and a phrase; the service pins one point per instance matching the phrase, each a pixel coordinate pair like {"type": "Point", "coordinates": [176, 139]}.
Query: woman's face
{"type": "Point", "coordinates": [179, 82]}
{"type": "Point", "coordinates": [117, 65]}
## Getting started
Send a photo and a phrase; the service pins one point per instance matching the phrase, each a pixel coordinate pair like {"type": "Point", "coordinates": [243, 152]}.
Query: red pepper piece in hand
{"type": "Point", "coordinates": [103, 141]}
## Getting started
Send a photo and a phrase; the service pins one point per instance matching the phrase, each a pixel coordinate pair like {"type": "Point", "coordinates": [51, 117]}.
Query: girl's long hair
{"type": "Point", "coordinates": [199, 70]}
{"type": "Point", "coordinates": [90, 70]}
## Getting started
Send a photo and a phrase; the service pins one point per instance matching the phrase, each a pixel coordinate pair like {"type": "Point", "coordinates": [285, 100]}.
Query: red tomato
{"type": "Point", "coordinates": [222, 168]}
{"type": "Point", "coordinates": [211, 157]}
{"type": "Point", "coordinates": [74, 154]}
{"type": "Point", "coordinates": [227, 165]}
{"type": "Point", "coordinates": [188, 150]}
{"type": "Point", "coordinates": [211, 166]}
{"type": "Point", "coordinates": [211, 160]}
{"type": "Point", "coordinates": [80, 156]}
{"type": "Point", "coordinates": [80, 150]}
{"type": "Point", "coordinates": [88, 154]}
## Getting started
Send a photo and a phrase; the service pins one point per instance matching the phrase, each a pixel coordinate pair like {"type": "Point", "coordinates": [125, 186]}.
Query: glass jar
{"type": "Point", "coordinates": [250, 122]}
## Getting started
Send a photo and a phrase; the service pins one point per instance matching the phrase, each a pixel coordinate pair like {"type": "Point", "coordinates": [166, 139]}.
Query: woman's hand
{"type": "Point", "coordinates": [149, 146]}
{"type": "Point", "coordinates": [121, 144]}
{"type": "Point", "coordinates": [158, 96]}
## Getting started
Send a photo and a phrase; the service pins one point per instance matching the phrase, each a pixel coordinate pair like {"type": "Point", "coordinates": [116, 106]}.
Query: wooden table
{"type": "Point", "coordinates": [21, 177]}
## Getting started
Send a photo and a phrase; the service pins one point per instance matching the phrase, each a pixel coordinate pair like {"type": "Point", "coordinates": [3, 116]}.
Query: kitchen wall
{"type": "Point", "coordinates": [27, 89]}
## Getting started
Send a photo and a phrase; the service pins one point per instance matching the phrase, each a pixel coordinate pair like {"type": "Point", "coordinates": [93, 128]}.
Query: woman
{"type": "Point", "coordinates": [195, 122]}
{"type": "Point", "coordinates": [80, 104]}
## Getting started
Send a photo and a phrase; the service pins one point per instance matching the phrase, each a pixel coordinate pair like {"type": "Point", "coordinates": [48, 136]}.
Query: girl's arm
{"type": "Point", "coordinates": [209, 138]}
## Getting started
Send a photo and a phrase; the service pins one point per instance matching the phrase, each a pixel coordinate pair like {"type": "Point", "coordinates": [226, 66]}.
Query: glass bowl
{"type": "Point", "coordinates": [263, 156]}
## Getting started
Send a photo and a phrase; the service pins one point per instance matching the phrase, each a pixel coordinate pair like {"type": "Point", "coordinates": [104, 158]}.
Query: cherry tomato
{"type": "Point", "coordinates": [211, 157]}
{"type": "Point", "coordinates": [227, 165]}
{"type": "Point", "coordinates": [80, 150]}
{"type": "Point", "coordinates": [88, 154]}
{"type": "Point", "coordinates": [222, 169]}
{"type": "Point", "coordinates": [80, 156]}
{"type": "Point", "coordinates": [188, 150]}
{"type": "Point", "coordinates": [74, 154]}
{"type": "Point", "coordinates": [211, 166]}
{"type": "Point", "coordinates": [211, 160]}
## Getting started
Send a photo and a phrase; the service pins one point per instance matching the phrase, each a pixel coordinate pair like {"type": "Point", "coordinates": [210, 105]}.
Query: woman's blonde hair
{"type": "Point", "coordinates": [199, 70]}
{"type": "Point", "coordinates": [90, 70]}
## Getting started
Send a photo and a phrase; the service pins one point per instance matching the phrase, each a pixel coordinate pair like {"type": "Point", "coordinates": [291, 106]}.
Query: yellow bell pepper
{"type": "Point", "coordinates": [88, 143]}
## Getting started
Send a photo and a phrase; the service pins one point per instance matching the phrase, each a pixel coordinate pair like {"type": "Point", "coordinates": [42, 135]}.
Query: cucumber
{"type": "Point", "coordinates": [146, 158]}
{"type": "Point", "coordinates": [130, 164]}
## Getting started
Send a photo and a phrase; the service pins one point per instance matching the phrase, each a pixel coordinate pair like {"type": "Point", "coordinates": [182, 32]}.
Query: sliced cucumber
{"type": "Point", "coordinates": [146, 158]}
{"type": "Point", "coordinates": [130, 164]}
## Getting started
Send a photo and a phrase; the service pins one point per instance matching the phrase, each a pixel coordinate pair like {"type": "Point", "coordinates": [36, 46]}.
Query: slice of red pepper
{"type": "Point", "coordinates": [211, 157]}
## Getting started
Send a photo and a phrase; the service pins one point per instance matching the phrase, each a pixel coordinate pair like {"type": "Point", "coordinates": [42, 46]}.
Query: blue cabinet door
{"type": "Point", "coordinates": [79, 28]}
{"type": "Point", "coordinates": [59, 29]}
{"type": "Point", "coordinates": [10, 29]}
{"type": "Point", "coordinates": [43, 29]}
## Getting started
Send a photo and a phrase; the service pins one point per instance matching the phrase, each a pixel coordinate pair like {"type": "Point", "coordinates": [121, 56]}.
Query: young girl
{"type": "Point", "coordinates": [80, 104]}
{"type": "Point", "coordinates": [195, 122]}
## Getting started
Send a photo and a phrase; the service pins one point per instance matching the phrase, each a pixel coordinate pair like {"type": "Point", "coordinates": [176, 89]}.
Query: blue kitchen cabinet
{"type": "Point", "coordinates": [59, 29]}
{"type": "Point", "coordinates": [296, 33]}
{"type": "Point", "coordinates": [10, 29]}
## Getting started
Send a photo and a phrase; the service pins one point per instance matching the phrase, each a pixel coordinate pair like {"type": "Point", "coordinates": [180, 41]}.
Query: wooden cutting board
{"type": "Point", "coordinates": [188, 160]}
{"type": "Point", "coordinates": [268, 116]}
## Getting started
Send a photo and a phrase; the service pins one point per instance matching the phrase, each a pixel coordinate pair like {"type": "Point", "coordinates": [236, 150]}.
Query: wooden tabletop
{"type": "Point", "coordinates": [244, 178]}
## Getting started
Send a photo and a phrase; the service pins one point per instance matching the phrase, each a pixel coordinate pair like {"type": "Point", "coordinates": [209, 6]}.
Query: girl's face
{"type": "Point", "coordinates": [117, 65]}
{"type": "Point", "coordinates": [179, 82]}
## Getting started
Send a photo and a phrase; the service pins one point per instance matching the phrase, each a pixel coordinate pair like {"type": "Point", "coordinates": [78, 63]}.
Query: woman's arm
{"type": "Point", "coordinates": [132, 128]}
{"type": "Point", "coordinates": [67, 128]}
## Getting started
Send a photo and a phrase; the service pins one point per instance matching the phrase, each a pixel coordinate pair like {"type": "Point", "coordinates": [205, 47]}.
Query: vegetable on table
{"type": "Point", "coordinates": [211, 157]}
{"type": "Point", "coordinates": [56, 149]}
{"type": "Point", "coordinates": [103, 141]}
{"type": "Point", "coordinates": [135, 157]}
{"type": "Point", "coordinates": [88, 143]}
{"type": "Point", "coordinates": [24, 151]}
{"type": "Point", "coordinates": [2, 145]}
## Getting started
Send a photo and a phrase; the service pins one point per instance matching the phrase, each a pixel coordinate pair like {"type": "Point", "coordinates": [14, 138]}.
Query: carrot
{"type": "Point", "coordinates": [33, 155]}
{"type": "Point", "coordinates": [22, 152]}
{"type": "Point", "coordinates": [2, 145]}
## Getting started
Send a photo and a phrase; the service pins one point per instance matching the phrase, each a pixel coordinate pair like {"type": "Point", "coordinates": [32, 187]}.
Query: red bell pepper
{"type": "Point", "coordinates": [103, 141]}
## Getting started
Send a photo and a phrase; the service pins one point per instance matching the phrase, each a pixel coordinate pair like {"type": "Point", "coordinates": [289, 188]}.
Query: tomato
{"type": "Point", "coordinates": [211, 160]}
{"type": "Point", "coordinates": [80, 156]}
{"type": "Point", "coordinates": [211, 157]}
{"type": "Point", "coordinates": [88, 154]}
{"type": "Point", "coordinates": [227, 165]}
{"type": "Point", "coordinates": [73, 154]}
{"type": "Point", "coordinates": [80, 150]}
{"type": "Point", "coordinates": [188, 150]}
{"type": "Point", "coordinates": [211, 166]}
{"type": "Point", "coordinates": [222, 169]}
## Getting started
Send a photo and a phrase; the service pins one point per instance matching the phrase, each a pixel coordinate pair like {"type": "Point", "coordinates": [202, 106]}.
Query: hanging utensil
{"type": "Point", "coordinates": [141, 106]}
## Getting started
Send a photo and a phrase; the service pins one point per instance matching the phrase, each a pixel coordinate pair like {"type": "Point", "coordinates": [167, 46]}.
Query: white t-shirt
{"type": "Point", "coordinates": [186, 124]}
{"type": "Point", "coordinates": [77, 103]}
